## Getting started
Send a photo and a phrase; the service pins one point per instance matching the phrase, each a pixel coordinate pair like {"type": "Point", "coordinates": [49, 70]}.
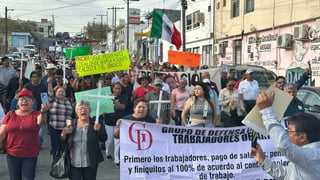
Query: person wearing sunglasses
{"type": "Point", "coordinates": [281, 80]}
{"type": "Point", "coordinates": [232, 109]}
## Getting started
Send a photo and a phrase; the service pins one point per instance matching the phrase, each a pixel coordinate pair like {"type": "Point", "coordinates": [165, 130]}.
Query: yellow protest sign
{"type": "Point", "coordinates": [102, 63]}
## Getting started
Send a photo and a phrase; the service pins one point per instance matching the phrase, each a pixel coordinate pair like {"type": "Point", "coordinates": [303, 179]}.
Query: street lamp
{"type": "Point", "coordinates": [6, 20]}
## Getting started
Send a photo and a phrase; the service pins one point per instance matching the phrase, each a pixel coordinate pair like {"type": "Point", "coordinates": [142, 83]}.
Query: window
{"type": "Point", "coordinates": [235, 8]}
{"type": "Point", "coordinates": [196, 22]}
{"type": "Point", "coordinates": [249, 6]}
{"type": "Point", "coordinates": [224, 3]}
{"type": "Point", "coordinates": [189, 50]}
{"type": "Point", "coordinates": [41, 30]}
{"type": "Point", "coordinates": [312, 100]}
{"type": "Point", "coordinates": [207, 54]}
{"type": "Point", "coordinates": [189, 22]}
{"type": "Point", "coordinates": [1, 40]}
{"type": "Point", "coordinates": [218, 5]}
{"type": "Point", "coordinates": [196, 50]}
{"type": "Point", "coordinates": [209, 8]}
{"type": "Point", "coordinates": [237, 51]}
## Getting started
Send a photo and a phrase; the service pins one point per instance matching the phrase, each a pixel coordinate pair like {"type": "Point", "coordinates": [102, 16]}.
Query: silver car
{"type": "Point", "coordinates": [310, 96]}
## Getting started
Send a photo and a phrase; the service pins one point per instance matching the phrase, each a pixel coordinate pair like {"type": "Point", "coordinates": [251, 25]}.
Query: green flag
{"type": "Point", "coordinates": [77, 51]}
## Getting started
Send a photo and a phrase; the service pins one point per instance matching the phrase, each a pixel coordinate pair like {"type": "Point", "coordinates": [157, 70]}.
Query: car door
{"type": "Point", "coordinates": [311, 99]}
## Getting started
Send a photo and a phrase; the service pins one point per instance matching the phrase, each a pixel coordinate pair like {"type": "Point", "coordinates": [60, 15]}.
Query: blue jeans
{"type": "Point", "coordinates": [177, 119]}
{"type": "Point", "coordinates": [21, 168]}
{"type": "Point", "coordinates": [56, 143]}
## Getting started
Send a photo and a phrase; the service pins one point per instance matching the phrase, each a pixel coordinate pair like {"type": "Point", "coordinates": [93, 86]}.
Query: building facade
{"type": "Point", "coordinates": [46, 28]}
{"type": "Point", "coordinates": [278, 35]}
{"type": "Point", "coordinates": [199, 30]}
{"type": "Point", "coordinates": [19, 39]}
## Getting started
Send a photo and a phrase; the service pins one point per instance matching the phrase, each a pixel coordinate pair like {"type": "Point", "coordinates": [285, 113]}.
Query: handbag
{"type": "Point", "coordinates": [60, 167]}
{"type": "Point", "coordinates": [3, 143]}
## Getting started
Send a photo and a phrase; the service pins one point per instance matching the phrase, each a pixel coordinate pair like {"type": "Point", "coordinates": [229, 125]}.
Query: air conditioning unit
{"type": "Point", "coordinates": [300, 32]}
{"type": "Point", "coordinates": [284, 41]}
{"type": "Point", "coordinates": [199, 17]}
{"type": "Point", "coordinates": [217, 49]}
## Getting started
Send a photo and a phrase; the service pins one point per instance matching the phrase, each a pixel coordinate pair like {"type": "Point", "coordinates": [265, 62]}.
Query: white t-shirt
{"type": "Point", "coordinates": [249, 89]}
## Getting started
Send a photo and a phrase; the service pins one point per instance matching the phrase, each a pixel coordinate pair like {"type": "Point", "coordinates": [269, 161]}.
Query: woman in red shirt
{"type": "Point", "coordinates": [144, 88]}
{"type": "Point", "coordinates": [21, 128]}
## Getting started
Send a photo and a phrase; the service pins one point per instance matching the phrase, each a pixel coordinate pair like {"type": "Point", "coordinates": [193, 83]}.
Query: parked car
{"type": "Point", "coordinates": [264, 76]}
{"type": "Point", "coordinates": [310, 96]}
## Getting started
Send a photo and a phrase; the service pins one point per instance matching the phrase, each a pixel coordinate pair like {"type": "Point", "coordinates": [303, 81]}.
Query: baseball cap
{"type": "Point", "coordinates": [25, 92]}
{"type": "Point", "coordinates": [157, 82]}
{"type": "Point", "coordinates": [248, 71]}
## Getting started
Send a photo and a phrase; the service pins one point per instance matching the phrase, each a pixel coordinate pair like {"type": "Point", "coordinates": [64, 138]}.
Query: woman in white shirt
{"type": "Point", "coordinates": [232, 109]}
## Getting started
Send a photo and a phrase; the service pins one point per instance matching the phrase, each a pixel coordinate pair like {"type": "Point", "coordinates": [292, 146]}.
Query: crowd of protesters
{"type": "Point", "coordinates": [205, 106]}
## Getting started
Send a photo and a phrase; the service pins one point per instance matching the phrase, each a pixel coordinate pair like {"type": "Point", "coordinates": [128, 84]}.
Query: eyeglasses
{"type": "Point", "coordinates": [231, 85]}
{"type": "Point", "coordinates": [58, 77]}
{"type": "Point", "coordinates": [83, 108]}
{"type": "Point", "coordinates": [25, 99]}
{"type": "Point", "coordinates": [288, 131]}
{"type": "Point", "coordinates": [281, 82]}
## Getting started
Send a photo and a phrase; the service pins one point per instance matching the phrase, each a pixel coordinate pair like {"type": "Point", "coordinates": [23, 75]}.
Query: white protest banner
{"type": "Point", "coordinates": [156, 151]}
{"type": "Point", "coordinates": [214, 75]}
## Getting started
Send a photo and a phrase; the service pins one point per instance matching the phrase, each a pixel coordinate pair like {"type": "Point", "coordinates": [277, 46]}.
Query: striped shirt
{"type": "Point", "coordinates": [60, 111]}
{"type": "Point", "coordinates": [79, 152]}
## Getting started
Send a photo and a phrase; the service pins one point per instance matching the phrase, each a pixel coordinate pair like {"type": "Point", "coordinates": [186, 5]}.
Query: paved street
{"type": "Point", "coordinates": [107, 169]}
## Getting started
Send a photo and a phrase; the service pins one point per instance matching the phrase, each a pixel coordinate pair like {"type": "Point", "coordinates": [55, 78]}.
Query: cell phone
{"type": "Point", "coordinates": [155, 116]}
{"type": "Point", "coordinates": [44, 98]}
{"type": "Point", "coordinates": [254, 139]}
{"type": "Point", "coordinates": [68, 122]}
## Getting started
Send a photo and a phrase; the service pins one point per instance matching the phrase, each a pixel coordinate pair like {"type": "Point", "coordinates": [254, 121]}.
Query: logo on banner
{"type": "Point", "coordinates": [140, 135]}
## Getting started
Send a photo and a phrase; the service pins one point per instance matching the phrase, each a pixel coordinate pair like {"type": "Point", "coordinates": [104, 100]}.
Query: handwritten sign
{"type": "Point", "coordinates": [103, 63]}
{"type": "Point", "coordinates": [184, 58]}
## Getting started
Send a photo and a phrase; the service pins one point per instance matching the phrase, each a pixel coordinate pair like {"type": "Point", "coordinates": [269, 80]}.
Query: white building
{"type": "Point", "coordinates": [199, 33]}
{"type": "Point", "coordinates": [199, 30]}
{"type": "Point", "coordinates": [46, 28]}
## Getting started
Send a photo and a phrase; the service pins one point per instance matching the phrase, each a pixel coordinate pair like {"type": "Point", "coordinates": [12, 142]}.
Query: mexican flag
{"type": "Point", "coordinates": [163, 28]}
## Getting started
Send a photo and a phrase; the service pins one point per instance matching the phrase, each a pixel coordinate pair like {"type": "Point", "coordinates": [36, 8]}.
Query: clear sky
{"type": "Point", "coordinates": [71, 15]}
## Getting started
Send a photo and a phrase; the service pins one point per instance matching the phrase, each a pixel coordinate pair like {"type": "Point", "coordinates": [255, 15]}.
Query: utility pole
{"type": "Point", "coordinates": [184, 6]}
{"type": "Point", "coordinates": [114, 12]}
{"type": "Point", "coordinates": [6, 22]}
{"type": "Point", "coordinates": [102, 31]}
{"type": "Point", "coordinates": [128, 6]}
{"type": "Point", "coordinates": [107, 29]}
{"type": "Point", "coordinates": [53, 25]}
